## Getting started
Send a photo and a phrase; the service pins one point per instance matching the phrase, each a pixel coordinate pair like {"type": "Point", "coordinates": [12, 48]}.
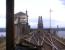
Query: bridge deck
{"type": "Point", "coordinates": [40, 38]}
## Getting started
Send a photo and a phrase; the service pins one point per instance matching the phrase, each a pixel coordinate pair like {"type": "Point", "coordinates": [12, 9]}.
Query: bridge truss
{"type": "Point", "coordinates": [44, 39]}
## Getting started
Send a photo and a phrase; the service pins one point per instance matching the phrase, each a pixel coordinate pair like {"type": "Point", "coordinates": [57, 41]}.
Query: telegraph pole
{"type": "Point", "coordinates": [50, 19]}
{"type": "Point", "coordinates": [50, 31]}
{"type": "Point", "coordinates": [10, 25]}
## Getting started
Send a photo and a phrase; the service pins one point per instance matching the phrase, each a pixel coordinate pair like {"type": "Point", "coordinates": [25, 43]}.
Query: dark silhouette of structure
{"type": "Point", "coordinates": [27, 16]}
{"type": "Point", "coordinates": [40, 22]}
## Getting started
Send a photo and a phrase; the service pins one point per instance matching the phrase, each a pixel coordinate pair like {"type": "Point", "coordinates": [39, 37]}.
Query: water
{"type": "Point", "coordinates": [61, 34]}
{"type": "Point", "coordinates": [2, 34]}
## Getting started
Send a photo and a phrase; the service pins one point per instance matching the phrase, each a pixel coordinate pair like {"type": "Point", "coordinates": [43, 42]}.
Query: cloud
{"type": "Point", "coordinates": [63, 2]}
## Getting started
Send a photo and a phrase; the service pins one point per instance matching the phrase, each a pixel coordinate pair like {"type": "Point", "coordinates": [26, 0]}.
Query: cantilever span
{"type": "Point", "coordinates": [45, 39]}
{"type": "Point", "coordinates": [39, 38]}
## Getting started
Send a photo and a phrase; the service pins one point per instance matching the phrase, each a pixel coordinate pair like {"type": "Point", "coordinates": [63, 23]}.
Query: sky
{"type": "Point", "coordinates": [2, 13]}
{"type": "Point", "coordinates": [37, 8]}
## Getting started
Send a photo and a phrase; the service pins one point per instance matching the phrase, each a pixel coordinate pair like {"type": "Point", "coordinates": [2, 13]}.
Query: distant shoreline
{"type": "Point", "coordinates": [2, 29]}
